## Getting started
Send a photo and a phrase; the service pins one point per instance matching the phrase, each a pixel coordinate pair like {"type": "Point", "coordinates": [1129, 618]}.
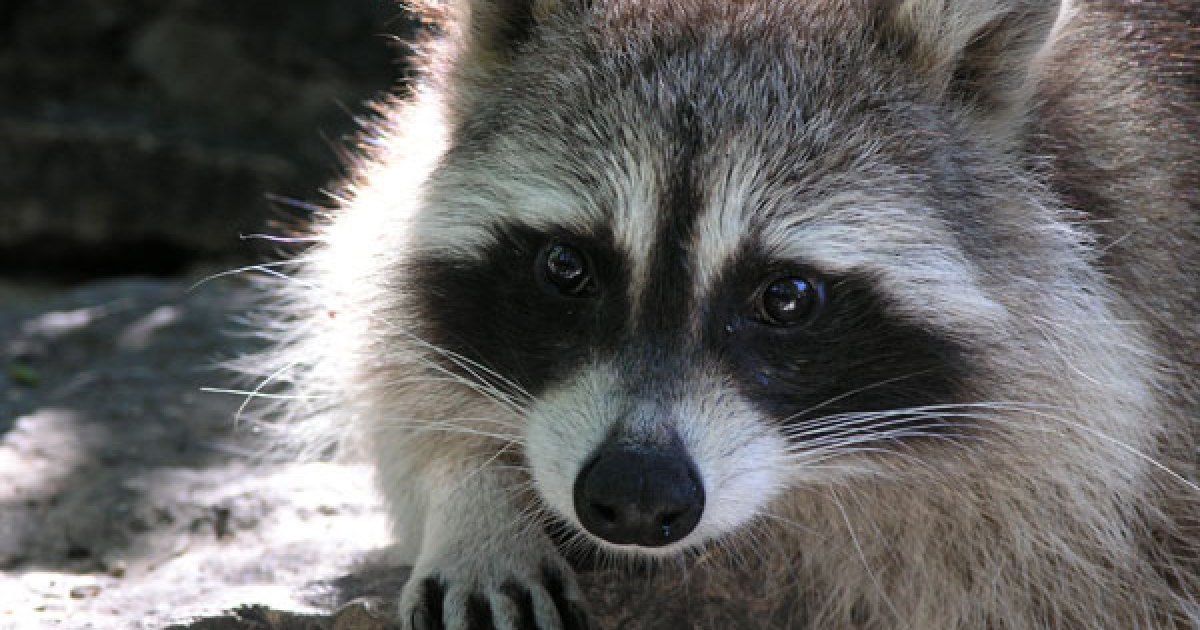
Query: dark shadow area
{"type": "Point", "coordinates": [59, 260]}
{"type": "Point", "coordinates": [367, 581]}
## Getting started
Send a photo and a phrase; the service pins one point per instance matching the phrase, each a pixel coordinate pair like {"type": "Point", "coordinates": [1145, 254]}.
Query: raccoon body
{"type": "Point", "coordinates": [891, 304]}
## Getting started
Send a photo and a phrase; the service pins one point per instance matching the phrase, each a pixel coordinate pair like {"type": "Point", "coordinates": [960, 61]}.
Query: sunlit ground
{"type": "Point", "coordinates": [248, 536]}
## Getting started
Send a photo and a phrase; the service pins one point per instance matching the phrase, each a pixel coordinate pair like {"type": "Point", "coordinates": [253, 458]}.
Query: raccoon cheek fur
{"type": "Point", "coordinates": [892, 303]}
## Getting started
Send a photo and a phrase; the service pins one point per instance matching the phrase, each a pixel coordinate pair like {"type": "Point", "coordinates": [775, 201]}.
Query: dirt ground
{"type": "Point", "coordinates": [129, 498]}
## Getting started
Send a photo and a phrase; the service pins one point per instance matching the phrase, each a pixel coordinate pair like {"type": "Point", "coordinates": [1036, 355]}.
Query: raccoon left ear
{"type": "Point", "coordinates": [980, 52]}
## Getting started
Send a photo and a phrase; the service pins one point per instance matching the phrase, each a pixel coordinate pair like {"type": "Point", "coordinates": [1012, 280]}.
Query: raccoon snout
{"type": "Point", "coordinates": [649, 497]}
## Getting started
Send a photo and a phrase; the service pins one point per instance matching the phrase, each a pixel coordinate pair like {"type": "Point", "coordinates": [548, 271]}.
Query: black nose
{"type": "Point", "coordinates": [639, 496]}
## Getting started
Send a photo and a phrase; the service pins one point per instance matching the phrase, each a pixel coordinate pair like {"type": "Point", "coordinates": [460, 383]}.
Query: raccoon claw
{"type": "Point", "coordinates": [522, 603]}
{"type": "Point", "coordinates": [547, 601]}
{"type": "Point", "coordinates": [426, 613]}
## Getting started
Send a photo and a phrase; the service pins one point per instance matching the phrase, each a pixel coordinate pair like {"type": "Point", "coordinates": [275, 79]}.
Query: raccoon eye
{"type": "Point", "coordinates": [790, 301]}
{"type": "Point", "coordinates": [565, 268]}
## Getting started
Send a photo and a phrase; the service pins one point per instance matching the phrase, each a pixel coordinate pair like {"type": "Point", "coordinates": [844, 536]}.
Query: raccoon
{"type": "Point", "coordinates": [889, 305]}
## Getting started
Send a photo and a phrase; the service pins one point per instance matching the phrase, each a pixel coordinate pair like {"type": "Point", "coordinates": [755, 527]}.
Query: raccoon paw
{"type": "Point", "coordinates": [508, 596]}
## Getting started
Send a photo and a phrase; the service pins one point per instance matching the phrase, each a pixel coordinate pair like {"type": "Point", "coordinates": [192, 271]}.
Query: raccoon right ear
{"type": "Point", "coordinates": [979, 52]}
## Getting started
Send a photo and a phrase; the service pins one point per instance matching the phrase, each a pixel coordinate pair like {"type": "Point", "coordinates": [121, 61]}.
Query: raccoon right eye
{"type": "Point", "coordinates": [790, 301]}
{"type": "Point", "coordinates": [565, 270]}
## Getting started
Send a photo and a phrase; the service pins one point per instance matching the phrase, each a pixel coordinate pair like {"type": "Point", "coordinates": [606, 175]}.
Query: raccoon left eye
{"type": "Point", "coordinates": [565, 269]}
{"type": "Point", "coordinates": [790, 301]}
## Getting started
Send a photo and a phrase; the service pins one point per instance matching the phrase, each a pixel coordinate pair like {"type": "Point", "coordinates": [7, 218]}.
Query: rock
{"type": "Point", "coordinates": [363, 614]}
{"type": "Point", "coordinates": [253, 617]}
{"type": "Point", "coordinates": [83, 592]}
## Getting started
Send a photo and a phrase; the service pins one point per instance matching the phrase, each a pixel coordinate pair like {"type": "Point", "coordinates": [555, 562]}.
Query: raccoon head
{"type": "Point", "coordinates": [719, 250]}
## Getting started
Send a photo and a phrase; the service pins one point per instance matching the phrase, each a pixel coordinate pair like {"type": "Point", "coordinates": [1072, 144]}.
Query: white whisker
{"type": "Point", "coordinates": [262, 268]}
{"type": "Point", "coordinates": [256, 394]}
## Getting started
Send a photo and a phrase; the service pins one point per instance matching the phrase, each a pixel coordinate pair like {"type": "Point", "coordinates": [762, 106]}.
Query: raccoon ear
{"type": "Point", "coordinates": [492, 31]}
{"type": "Point", "coordinates": [980, 52]}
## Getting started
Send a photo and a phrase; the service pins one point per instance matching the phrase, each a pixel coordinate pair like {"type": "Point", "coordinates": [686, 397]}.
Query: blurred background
{"type": "Point", "coordinates": [143, 136]}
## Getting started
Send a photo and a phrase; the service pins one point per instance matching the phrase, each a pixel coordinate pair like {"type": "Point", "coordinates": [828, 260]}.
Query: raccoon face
{"type": "Point", "coordinates": [663, 409]}
{"type": "Point", "coordinates": [714, 269]}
